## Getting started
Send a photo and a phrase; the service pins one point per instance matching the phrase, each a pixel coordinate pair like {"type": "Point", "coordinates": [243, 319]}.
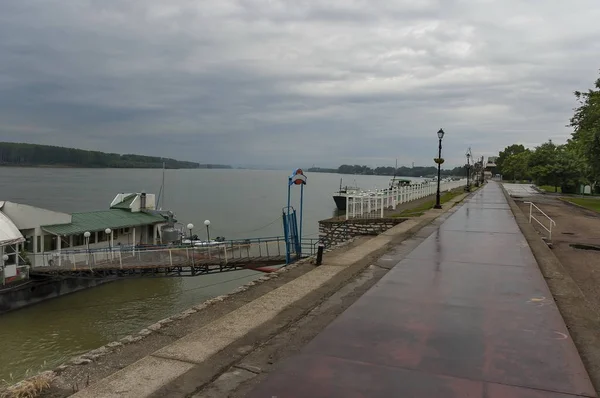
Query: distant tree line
{"type": "Point", "coordinates": [566, 166]}
{"type": "Point", "coordinates": [419, 171]}
{"type": "Point", "coordinates": [19, 154]}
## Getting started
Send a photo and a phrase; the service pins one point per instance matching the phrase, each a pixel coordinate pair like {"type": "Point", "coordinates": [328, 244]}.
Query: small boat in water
{"type": "Point", "coordinates": [339, 197]}
{"type": "Point", "coordinates": [194, 241]}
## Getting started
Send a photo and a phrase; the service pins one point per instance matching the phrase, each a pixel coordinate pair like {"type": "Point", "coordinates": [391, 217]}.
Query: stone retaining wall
{"type": "Point", "coordinates": [335, 231]}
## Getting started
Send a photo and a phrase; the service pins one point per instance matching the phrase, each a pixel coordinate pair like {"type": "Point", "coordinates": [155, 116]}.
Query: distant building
{"type": "Point", "coordinates": [490, 167]}
{"type": "Point", "coordinates": [31, 235]}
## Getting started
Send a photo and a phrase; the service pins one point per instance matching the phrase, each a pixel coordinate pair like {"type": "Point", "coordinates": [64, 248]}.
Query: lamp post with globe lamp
{"type": "Point", "coordinates": [439, 162]}
{"type": "Point", "coordinates": [207, 223]}
{"type": "Point", "coordinates": [87, 235]}
{"type": "Point", "coordinates": [190, 228]}
{"type": "Point", "coordinates": [108, 232]}
{"type": "Point", "coordinates": [468, 188]}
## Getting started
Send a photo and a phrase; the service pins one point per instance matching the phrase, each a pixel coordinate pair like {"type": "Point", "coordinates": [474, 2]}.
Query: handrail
{"type": "Point", "coordinates": [222, 252]}
{"type": "Point", "coordinates": [372, 204]}
{"type": "Point", "coordinates": [162, 247]}
{"type": "Point", "coordinates": [532, 217]}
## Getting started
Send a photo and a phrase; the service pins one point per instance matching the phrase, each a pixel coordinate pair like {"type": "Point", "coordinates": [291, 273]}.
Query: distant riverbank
{"type": "Point", "coordinates": [63, 166]}
{"type": "Point", "coordinates": [32, 155]}
{"type": "Point", "coordinates": [418, 171]}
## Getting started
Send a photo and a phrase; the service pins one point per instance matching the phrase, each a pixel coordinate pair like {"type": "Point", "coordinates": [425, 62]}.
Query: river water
{"type": "Point", "coordinates": [239, 203]}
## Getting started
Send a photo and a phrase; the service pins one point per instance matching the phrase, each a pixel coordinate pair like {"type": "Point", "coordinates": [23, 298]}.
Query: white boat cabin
{"type": "Point", "coordinates": [36, 233]}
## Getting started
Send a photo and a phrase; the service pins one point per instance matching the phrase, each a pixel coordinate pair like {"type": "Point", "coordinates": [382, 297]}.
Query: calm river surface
{"type": "Point", "coordinates": [239, 203]}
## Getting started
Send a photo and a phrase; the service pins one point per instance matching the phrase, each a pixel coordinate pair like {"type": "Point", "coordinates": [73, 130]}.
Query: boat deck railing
{"type": "Point", "coordinates": [240, 253]}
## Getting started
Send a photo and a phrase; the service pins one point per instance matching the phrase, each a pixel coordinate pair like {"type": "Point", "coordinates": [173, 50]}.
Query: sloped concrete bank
{"type": "Point", "coordinates": [193, 348]}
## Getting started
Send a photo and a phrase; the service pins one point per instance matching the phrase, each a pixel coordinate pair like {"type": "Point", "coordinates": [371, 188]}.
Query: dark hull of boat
{"type": "Point", "coordinates": [340, 202]}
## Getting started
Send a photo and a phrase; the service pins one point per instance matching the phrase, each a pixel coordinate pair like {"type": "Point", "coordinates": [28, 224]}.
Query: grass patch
{"type": "Point", "coordinates": [588, 203]}
{"type": "Point", "coordinates": [418, 211]}
{"type": "Point", "coordinates": [549, 188]}
{"type": "Point", "coordinates": [29, 388]}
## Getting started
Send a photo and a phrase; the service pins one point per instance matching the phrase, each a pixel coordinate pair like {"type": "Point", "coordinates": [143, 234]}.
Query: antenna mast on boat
{"type": "Point", "coordinates": [163, 185]}
{"type": "Point", "coordinates": [161, 191]}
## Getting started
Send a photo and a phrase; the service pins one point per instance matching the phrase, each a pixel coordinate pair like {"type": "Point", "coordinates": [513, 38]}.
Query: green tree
{"type": "Point", "coordinates": [517, 165]}
{"type": "Point", "coordinates": [505, 154]}
{"type": "Point", "coordinates": [586, 132]}
{"type": "Point", "coordinates": [21, 154]}
{"type": "Point", "coordinates": [542, 164]}
{"type": "Point", "coordinates": [556, 165]}
{"type": "Point", "coordinates": [570, 169]}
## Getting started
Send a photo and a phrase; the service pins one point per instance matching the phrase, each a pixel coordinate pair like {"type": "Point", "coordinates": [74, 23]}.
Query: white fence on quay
{"type": "Point", "coordinates": [373, 204]}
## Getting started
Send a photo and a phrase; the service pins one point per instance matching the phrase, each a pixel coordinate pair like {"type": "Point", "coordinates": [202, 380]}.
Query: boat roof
{"type": "Point", "coordinates": [125, 203]}
{"type": "Point", "coordinates": [9, 233]}
{"type": "Point", "coordinates": [100, 220]}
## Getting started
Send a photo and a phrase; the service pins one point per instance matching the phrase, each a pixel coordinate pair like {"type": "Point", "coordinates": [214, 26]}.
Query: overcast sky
{"type": "Point", "coordinates": [294, 83]}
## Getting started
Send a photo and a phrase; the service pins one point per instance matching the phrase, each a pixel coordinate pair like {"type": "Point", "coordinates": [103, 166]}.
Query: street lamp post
{"type": "Point", "coordinates": [207, 223]}
{"type": "Point", "coordinates": [482, 171]}
{"type": "Point", "coordinates": [190, 227]}
{"type": "Point", "coordinates": [87, 235]}
{"type": "Point", "coordinates": [468, 171]}
{"type": "Point", "coordinates": [440, 135]}
{"type": "Point", "coordinates": [108, 232]}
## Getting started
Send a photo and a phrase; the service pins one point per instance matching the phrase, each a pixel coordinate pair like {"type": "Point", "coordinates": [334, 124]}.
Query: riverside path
{"type": "Point", "coordinates": [466, 314]}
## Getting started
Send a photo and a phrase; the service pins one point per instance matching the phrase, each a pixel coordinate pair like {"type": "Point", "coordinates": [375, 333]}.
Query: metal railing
{"type": "Point", "coordinates": [532, 217]}
{"type": "Point", "coordinates": [372, 204]}
{"type": "Point", "coordinates": [13, 273]}
{"type": "Point", "coordinates": [231, 251]}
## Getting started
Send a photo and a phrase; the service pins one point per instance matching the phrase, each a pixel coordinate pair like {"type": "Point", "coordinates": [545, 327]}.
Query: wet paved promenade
{"type": "Point", "coordinates": [465, 314]}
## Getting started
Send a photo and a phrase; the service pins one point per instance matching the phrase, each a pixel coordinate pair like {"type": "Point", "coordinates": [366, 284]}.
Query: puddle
{"type": "Point", "coordinates": [584, 247]}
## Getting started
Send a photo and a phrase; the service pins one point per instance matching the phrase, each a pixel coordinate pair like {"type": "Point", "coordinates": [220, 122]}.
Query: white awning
{"type": "Point", "coordinates": [9, 233]}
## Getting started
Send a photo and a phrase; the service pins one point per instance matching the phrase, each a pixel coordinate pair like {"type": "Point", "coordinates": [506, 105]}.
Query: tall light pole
{"type": "Point", "coordinates": [207, 223]}
{"type": "Point", "coordinates": [190, 227]}
{"type": "Point", "coordinates": [482, 171]}
{"type": "Point", "coordinates": [468, 171]}
{"type": "Point", "coordinates": [108, 233]}
{"type": "Point", "coordinates": [439, 162]}
{"type": "Point", "coordinates": [87, 235]}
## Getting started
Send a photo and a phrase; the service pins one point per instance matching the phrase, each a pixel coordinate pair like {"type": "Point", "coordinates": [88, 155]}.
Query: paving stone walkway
{"type": "Point", "coordinates": [466, 314]}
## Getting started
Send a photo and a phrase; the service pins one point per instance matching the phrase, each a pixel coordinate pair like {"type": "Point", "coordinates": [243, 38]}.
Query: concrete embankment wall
{"type": "Point", "coordinates": [334, 231]}
{"type": "Point", "coordinates": [36, 291]}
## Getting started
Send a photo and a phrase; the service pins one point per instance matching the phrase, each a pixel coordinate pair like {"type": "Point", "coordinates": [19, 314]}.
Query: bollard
{"type": "Point", "coordinates": [320, 249]}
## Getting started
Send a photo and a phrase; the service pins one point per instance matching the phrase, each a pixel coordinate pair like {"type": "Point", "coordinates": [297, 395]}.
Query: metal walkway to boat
{"type": "Point", "coordinates": [155, 261]}
{"type": "Point", "coordinates": [466, 314]}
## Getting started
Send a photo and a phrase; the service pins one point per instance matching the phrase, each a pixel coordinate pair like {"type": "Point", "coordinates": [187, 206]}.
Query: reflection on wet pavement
{"type": "Point", "coordinates": [459, 316]}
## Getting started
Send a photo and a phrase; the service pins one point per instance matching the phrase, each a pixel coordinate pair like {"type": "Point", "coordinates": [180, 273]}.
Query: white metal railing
{"type": "Point", "coordinates": [122, 257]}
{"type": "Point", "coordinates": [372, 204]}
{"type": "Point", "coordinates": [532, 217]}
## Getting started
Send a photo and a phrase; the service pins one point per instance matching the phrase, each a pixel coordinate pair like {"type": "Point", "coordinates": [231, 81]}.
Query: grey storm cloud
{"type": "Point", "coordinates": [291, 83]}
